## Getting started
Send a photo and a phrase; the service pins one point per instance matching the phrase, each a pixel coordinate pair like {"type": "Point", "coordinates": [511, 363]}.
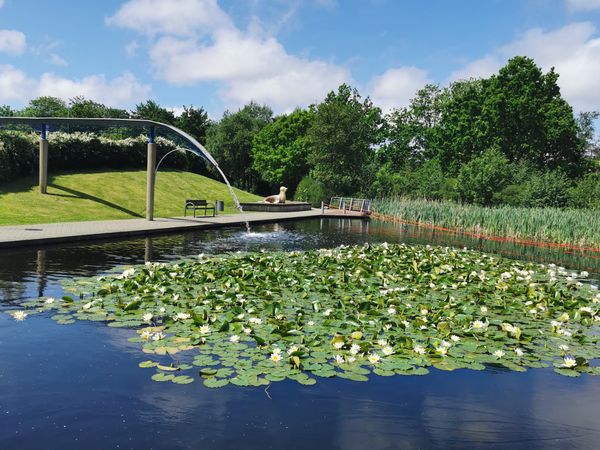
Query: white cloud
{"type": "Point", "coordinates": [573, 50]}
{"type": "Point", "coordinates": [17, 87]}
{"type": "Point", "coordinates": [182, 17]}
{"type": "Point", "coordinates": [57, 60]}
{"type": "Point", "coordinates": [583, 5]}
{"type": "Point", "coordinates": [396, 87]}
{"type": "Point", "coordinates": [1, 3]}
{"type": "Point", "coordinates": [194, 41]}
{"type": "Point", "coordinates": [12, 42]}
{"type": "Point", "coordinates": [132, 48]}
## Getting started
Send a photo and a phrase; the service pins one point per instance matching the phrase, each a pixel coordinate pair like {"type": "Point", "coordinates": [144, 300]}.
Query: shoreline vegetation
{"type": "Point", "coordinates": [574, 229]}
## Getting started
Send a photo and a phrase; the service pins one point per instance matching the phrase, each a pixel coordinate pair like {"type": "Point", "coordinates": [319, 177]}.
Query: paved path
{"type": "Point", "coordinates": [20, 235]}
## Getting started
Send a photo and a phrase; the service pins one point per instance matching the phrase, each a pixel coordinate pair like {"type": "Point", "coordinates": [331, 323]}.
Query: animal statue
{"type": "Point", "coordinates": [277, 198]}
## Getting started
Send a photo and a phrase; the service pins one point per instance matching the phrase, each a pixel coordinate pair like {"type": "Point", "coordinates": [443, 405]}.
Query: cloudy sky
{"type": "Point", "coordinates": [220, 54]}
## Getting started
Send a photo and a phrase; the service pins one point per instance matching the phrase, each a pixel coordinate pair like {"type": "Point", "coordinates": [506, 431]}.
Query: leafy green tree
{"type": "Point", "coordinates": [527, 119]}
{"type": "Point", "coordinates": [230, 142]}
{"type": "Point", "coordinates": [150, 110]}
{"type": "Point", "coordinates": [46, 107]}
{"type": "Point", "coordinates": [412, 132]}
{"type": "Point", "coordinates": [587, 135]}
{"type": "Point", "coordinates": [484, 175]}
{"type": "Point", "coordinates": [6, 111]}
{"type": "Point", "coordinates": [546, 189]}
{"type": "Point", "coordinates": [82, 107]}
{"type": "Point", "coordinates": [341, 141]}
{"type": "Point", "coordinates": [194, 121]}
{"type": "Point", "coordinates": [586, 193]}
{"type": "Point", "coordinates": [279, 150]}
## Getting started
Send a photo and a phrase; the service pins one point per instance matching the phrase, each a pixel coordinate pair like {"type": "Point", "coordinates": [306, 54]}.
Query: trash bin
{"type": "Point", "coordinates": [220, 204]}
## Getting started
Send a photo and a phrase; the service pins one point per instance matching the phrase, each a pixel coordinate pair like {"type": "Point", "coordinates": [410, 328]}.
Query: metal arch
{"type": "Point", "coordinates": [198, 148]}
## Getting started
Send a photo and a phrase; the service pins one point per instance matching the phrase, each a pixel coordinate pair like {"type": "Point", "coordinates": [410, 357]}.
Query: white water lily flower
{"type": "Point", "coordinates": [204, 329]}
{"type": "Point", "coordinates": [506, 275]}
{"type": "Point", "coordinates": [478, 325]}
{"type": "Point", "coordinates": [387, 350]}
{"type": "Point", "coordinates": [388, 326]}
{"type": "Point", "coordinates": [499, 353]}
{"type": "Point", "coordinates": [147, 317]}
{"type": "Point", "coordinates": [374, 358]}
{"type": "Point", "coordinates": [19, 316]}
{"type": "Point", "coordinates": [339, 359]}
{"type": "Point", "coordinates": [310, 323]}
{"type": "Point", "coordinates": [183, 316]}
{"type": "Point", "coordinates": [519, 352]}
{"type": "Point", "coordinates": [146, 334]}
{"type": "Point", "coordinates": [483, 309]}
{"type": "Point", "coordinates": [49, 300]}
{"type": "Point", "coordinates": [276, 350]}
{"type": "Point", "coordinates": [454, 338]}
{"type": "Point", "coordinates": [351, 359]}
{"type": "Point", "coordinates": [584, 274]}
{"type": "Point", "coordinates": [255, 320]}
{"type": "Point", "coordinates": [158, 336]}
{"type": "Point", "coordinates": [441, 350]}
{"type": "Point", "coordinates": [292, 349]}
{"type": "Point", "coordinates": [240, 316]}
{"type": "Point", "coordinates": [424, 311]}
{"type": "Point", "coordinates": [327, 312]}
{"type": "Point", "coordinates": [354, 349]}
{"type": "Point", "coordinates": [445, 344]}
{"type": "Point", "coordinates": [569, 362]}
{"type": "Point", "coordinates": [554, 323]}
{"type": "Point", "coordinates": [338, 344]}
{"type": "Point", "coordinates": [586, 309]}
{"type": "Point", "coordinates": [162, 310]}
{"type": "Point", "coordinates": [564, 317]}
{"type": "Point", "coordinates": [127, 273]}
{"type": "Point", "coordinates": [406, 323]}
{"type": "Point", "coordinates": [391, 311]}
{"type": "Point", "coordinates": [247, 330]}
{"type": "Point", "coordinates": [276, 357]}
{"type": "Point", "coordinates": [382, 342]}
{"type": "Point", "coordinates": [564, 347]}
{"type": "Point", "coordinates": [234, 338]}
{"type": "Point", "coordinates": [88, 305]}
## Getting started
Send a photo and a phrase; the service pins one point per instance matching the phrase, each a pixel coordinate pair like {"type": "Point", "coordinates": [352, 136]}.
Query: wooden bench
{"type": "Point", "coordinates": [199, 204]}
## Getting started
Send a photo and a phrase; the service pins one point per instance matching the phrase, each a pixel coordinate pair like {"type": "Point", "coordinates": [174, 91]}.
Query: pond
{"type": "Point", "coordinates": [79, 385]}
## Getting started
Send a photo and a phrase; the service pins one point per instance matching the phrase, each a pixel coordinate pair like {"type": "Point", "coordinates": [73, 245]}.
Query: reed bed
{"type": "Point", "coordinates": [568, 227]}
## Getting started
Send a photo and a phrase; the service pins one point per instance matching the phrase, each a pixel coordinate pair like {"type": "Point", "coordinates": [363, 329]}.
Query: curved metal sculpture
{"type": "Point", "coordinates": [197, 147]}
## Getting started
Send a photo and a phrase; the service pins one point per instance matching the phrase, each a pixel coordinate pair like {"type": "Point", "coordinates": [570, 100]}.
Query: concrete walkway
{"type": "Point", "coordinates": [22, 235]}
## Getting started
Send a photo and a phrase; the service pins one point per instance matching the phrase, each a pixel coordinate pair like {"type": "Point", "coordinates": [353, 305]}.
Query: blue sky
{"type": "Point", "coordinates": [222, 54]}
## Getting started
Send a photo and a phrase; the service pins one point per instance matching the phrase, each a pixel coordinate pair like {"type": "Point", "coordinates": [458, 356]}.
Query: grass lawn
{"type": "Point", "coordinates": [107, 195]}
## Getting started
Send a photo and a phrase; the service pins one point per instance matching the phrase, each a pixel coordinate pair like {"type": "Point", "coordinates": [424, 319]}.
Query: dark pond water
{"type": "Point", "coordinates": [78, 386]}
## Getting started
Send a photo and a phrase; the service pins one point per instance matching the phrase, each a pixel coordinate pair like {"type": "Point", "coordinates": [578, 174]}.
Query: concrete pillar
{"type": "Point", "coordinates": [150, 177]}
{"type": "Point", "coordinates": [43, 162]}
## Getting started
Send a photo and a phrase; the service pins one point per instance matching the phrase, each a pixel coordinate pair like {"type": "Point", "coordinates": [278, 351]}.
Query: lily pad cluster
{"type": "Point", "coordinates": [350, 312]}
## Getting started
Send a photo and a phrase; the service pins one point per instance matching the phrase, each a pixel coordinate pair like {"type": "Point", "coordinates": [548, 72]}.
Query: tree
{"type": "Point", "coordinates": [6, 111]}
{"type": "Point", "coordinates": [230, 143]}
{"type": "Point", "coordinates": [483, 176]}
{"type": "Point", "coordinates": [46, 107]}
{"type": "Point", "coordinates": [341, 141]}
{"type": "Point", "coordinates": [527, 119]}
{"type": "Point", "coordinates": [194, 121]}
{"type": "Point", "coordinates": [150, 110]}
{"type": "Point", "coordinates": [81, 107]}
{"type": "Point", "coordinates": [586, 133]}
{"type": "Point", "coordinates": [412, 131]}
{"type": "Point", "coordinates": [279, 150]}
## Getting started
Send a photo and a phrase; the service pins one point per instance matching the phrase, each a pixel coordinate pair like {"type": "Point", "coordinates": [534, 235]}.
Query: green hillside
{"type": "Point", "coordinates": [107, 195]}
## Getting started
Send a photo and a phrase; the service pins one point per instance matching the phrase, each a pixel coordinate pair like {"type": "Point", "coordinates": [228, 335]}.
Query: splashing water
{"type": "Point", "coordinates": [235, 199]}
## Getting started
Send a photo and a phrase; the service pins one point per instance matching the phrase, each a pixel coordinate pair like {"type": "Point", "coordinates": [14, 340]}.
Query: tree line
{"type": "Point", "coordinates": [507, 139]}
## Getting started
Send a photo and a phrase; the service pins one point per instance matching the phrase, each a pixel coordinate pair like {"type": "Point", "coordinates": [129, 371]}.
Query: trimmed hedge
{"type": "Point", "coordinates": [85, 151]}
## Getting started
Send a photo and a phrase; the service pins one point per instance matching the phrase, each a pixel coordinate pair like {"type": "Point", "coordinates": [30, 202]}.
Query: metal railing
{"type": "Point", "coordinates": [361, 205]}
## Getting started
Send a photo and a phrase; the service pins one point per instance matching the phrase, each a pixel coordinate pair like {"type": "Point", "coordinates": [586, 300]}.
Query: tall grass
{"type": "Point", "coordinates": [577, 227]}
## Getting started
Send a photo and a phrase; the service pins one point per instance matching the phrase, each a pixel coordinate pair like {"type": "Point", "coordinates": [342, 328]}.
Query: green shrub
{"type": "Point", "coordinates": [73, 151]}
{"type": "Point", "coordinates": [310, 190]}
{"type": "Point", "coordinates": [586, 193]}
{"type": "Point", "coordinates": [548, 189]}
{"type": "Point", "coordinates": [482, 177]}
